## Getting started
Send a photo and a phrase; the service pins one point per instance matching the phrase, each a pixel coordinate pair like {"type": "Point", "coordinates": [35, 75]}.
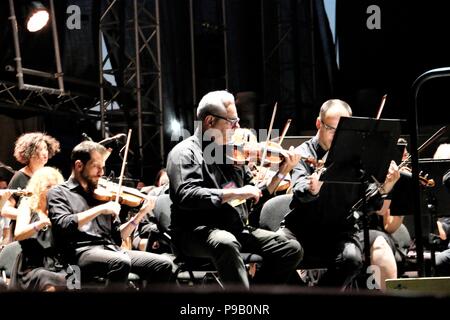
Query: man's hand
{"type": "Point", "coordinates": [314, 183]}
{"type": "Point", "coordinates": [110, 208]}
{"type": "Point", "coordinates": [249, 192]}
{"type": "Point", "coordinates": [291, 159]}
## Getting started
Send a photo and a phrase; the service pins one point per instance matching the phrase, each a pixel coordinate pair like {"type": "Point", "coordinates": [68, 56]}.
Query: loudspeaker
{"type": "Point", "coordinates": [423, 285]}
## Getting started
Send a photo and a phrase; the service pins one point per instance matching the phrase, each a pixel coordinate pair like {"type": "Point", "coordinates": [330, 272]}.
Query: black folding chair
{"type": "Point", "coordinates": [272, 214]}
{"type": "Point", "coordinates": [8, 257]}
{"type": "Point", "coordinates": [190, 269]}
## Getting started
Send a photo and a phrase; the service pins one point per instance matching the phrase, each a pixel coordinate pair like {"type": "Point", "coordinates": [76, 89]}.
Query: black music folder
{"type": "Point", "coordinates": [362, 148]}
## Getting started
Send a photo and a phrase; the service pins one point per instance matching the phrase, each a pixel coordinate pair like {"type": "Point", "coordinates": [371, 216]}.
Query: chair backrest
{"type": "Point", "coordinates": [162, 212]}
{"type": "Point", "coordinates": [274, 211]}
{"type": "Point", "coordinates": [8, 257]}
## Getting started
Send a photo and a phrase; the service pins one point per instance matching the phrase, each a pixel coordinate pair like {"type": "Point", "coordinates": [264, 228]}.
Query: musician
{"type": "Point", "coordinates": [147, 236]}
{"type": "Point", "coordinates": [4, 196]}
{"type": "Point", "coordinates": [320, 220]}
{"type": "Point", "coordinates": [443, 224]}
{"type": "Point", "coordinates": [33, 150]}
{"type": "Point", "coordinates": [37, 266]}
{"type": "Point", "coordinates": [4, 223]}
{"type": "Point", "coordinates": [88, 230]}
{"type": "Point", "coordinates": [209, 212]}
{"type": "Point", "coordinates": [382, 226]}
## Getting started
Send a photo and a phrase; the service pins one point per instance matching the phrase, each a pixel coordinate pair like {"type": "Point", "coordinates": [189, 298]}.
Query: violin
{"type": "Point", "coordinates": [107, 191]}
{"type": "Point", "coordinates": [423, 178]}
{"type": "Point", "coordinates": [17, 192]}
{"type": "Point", "coordinates": [262, 175]}
{"type": "Point", "coordinates": [254, 152]}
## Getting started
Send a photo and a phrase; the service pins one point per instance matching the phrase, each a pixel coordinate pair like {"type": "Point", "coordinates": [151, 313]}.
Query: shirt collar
{"type": "Point", "coordinates": [319, 150]}
{"type": "Point", "coordinates": [72, 183]}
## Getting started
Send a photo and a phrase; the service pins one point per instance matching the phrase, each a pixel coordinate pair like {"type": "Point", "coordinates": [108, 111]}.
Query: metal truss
{"type": "Point", "coordinates": [40, 101]}
{"type": "Point", "coordinates": [131, 31]}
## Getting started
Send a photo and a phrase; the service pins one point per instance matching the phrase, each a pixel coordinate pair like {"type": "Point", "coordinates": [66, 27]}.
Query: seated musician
{"type": "Point", "coordinates": [443, 224]}
{"type": "Point", "coordinates": [320, 220]}
{"type": "Point", "coordinates": [210, 212]}
{"type": "Point", "coordinates": [147, 236]}
{"type": "Point", "coordinates": [384, 246]}
{"type": "Point", "coordinates": [89, 231]}
{"type": "Point", "coordinates": [37, 267]}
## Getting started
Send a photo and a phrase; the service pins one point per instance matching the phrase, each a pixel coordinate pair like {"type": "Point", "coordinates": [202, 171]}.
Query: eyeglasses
{"type": "Point", "coordinates": [233, 122]}
{"type": "Point", "coordinates": [328, 127]}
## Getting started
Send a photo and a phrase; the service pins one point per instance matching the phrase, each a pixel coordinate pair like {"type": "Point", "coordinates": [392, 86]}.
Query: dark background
{"type": "Point", "coordinates": [278, 51]}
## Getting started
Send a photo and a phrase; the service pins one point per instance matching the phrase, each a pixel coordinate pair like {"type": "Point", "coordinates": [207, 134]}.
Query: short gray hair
{"type": "Point", "coordinates": [327, 105]}
{"type": "Point", "coordinates": [214, 102]}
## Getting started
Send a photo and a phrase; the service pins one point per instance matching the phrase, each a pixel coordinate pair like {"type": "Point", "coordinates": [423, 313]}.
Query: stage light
{"type": "Point", "coordinates": [175, 126]}
{"type": "Point", "coordinates": [37, 16]}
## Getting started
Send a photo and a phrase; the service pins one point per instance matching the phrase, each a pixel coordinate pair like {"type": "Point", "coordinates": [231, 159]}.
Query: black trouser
{"type": "Point", "coordinates": [115, 265]}
{"type": "Point", "coordinates": [280, 255]}
{"type": "Point", "coordinates": [341, 254]}
{"type": "Point", "coordinates": [443, 263]}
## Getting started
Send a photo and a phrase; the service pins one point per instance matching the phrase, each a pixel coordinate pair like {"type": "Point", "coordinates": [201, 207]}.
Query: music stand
{"type": "Point", "coordinates": [362, 149]}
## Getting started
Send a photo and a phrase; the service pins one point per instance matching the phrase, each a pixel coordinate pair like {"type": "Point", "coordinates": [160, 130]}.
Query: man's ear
{"type": "Point", "coordinates": [209, 121]}
{"type": "Point", "coordinates": [318, 123]}
{"type": "Point", "coordinates": [78, 165]}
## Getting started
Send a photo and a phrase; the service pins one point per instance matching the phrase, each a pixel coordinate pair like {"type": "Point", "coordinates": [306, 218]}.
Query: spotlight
{"type": "Point", "coordinates": [175, 126]}
{"type": "Point", "coordinates": [37, 16]}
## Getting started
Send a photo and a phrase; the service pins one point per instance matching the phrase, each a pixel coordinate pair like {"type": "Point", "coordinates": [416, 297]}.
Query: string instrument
{"type": "Point", "coordinates": [244, 149]}
{"type": "Point", "coordinates": [17, 192]}
{"type": "Point", "coordinates": [423, 178]}
{"type": "Point", "coordinates": [262, 175]}
{"type": "Point", "coordinates": [107, 191]}
{"type": "Point", "coordinates": [404, 165]}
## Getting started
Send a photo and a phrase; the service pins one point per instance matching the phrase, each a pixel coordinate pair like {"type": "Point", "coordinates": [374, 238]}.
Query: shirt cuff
{"type": "Point", "coordinates": [216, 197]}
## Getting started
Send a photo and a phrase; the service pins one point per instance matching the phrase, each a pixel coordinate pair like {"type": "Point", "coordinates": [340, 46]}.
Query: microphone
{"type": "Point", "coordinates": [107, 141]}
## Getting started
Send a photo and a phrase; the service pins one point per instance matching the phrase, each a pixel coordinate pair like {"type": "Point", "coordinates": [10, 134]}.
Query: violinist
{"type": "Point", "coordinates": [209, 195]}
{"type": "Point", "coordinates": [320, 218]}
{"type": "Point", "coordinates": [147, 236]}
{"type": "Point", "coordinates": [33, 150]}
{"type": "Point", "coordinates": [37, 266]}
{"type": "Point", "coordinates": [443, 224]}
{"type": "Point", "coordinates": [88, 231]}
{"type": "Point", "coordinates": [382, 226]}
{"type": "Point", "coordinates": [4, 225]}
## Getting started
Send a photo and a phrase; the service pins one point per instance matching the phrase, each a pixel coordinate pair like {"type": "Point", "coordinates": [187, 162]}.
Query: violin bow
{"type": "Point", "coordinates": [285, 129]}
{"type": "Point", "coordinates": [380, 109]}
{"type": "Point", "coordinates": [263, 158]}
{"type": "Point", "coordinates": [122, 170]}
{"type": "Point", "coordinates": [430, 140]}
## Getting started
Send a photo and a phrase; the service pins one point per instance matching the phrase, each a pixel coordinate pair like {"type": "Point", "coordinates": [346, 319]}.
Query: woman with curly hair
{"type": "Point", "coordinates": [37, 266]}
{"type": "Point", "coordinates": [33, 150]}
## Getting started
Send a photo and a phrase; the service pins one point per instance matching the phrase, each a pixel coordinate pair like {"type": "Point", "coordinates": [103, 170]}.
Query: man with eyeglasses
{"type": "Point", "coordinates": [320, 220]}
{"type": "Point", "coordinates": [210, 208]}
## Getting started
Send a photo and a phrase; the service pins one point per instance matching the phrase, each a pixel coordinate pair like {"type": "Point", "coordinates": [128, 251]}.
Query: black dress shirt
{"type": "Point", "coordinates": [65, 201]}
{"type": "Point", "coordinates": [197, 183]}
